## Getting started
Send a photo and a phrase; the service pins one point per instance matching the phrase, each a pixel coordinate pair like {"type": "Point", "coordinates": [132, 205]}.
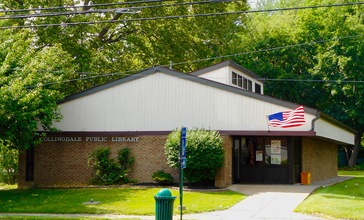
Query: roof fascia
{"type": "Point", "coordinates": [225, 64]}
{"type": "Point", "coordinates": [126, 79]}
{"type": "Point", "coordinates": [336, 122]}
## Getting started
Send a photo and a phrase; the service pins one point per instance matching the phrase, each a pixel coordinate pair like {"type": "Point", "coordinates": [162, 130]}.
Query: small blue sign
{"type": "Point", "coordinates": [184, 132]}
{"type": "Point", "coordinates": [183, 141]}
{"type": "Point", "coordinates": [183, 162]}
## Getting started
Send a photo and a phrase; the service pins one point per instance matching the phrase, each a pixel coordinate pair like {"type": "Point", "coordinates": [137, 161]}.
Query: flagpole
{"type": "Point", "coordinates": [267, 122]}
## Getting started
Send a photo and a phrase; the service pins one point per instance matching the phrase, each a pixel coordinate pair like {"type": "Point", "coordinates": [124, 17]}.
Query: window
{"type": "Point", "coordinates": [245, 85]}
{"type": "Point", "coordinates": [234, 78]}
{"type": "Point", "coordinates": [240, 80]}
{"type": "Point", "coordinates": [29, 172]}
{"type": "Point", "coordinates": [250, 85]}
{"type": "Point", "coordinates": [276, 152]}
{"type": "Point", "coordinates": [258, 88]}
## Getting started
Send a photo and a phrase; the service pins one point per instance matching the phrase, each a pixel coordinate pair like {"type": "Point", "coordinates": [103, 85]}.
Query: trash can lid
{"type": "Point", "coordinates": [164, 192]}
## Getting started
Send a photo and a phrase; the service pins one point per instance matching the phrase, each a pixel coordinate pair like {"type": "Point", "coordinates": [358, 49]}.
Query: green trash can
{"type": "Point", "coordinates": [164, 205]}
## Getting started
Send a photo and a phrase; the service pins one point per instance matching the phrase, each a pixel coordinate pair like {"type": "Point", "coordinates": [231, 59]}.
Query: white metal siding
{"type": "Point", "coordinates": [220, 75]}
{"type": "Point", "coordinates": [162, 102]}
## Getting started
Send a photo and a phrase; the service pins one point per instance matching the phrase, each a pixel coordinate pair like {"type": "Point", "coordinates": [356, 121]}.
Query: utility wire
{"type": "Point", "coordinates": [17, 16]}
{"type": "Point", "coordinates": [229, 55]}
{"type": "Point", "coordinates": [82, 6]}
{"type": "Point", "coordinates": [270, 49]}
{"type": "Point", "coordinates": [181, 16]}
{"type": "Point", "coordinates": [127, 73]}
{"type": "Point", "coordinates": [314, 80]}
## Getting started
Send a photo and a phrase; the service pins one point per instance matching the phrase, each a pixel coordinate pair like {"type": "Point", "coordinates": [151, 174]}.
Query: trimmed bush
{"type": "Point", "coordinates": [106, 171]}
{"type": "Point", "coordinates": [204, 154]}
{"type": "Point", "coordinates": [162, 177]}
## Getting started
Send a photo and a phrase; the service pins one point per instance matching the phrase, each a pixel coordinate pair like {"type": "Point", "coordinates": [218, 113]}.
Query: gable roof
{"type": "Point", "coordinates": [194, 78]}
{"type": "Point", "coordinates": [189, 77]}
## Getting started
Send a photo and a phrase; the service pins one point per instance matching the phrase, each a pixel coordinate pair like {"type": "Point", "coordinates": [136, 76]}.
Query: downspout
{"type": "Point", "coordinates": [317, 116]}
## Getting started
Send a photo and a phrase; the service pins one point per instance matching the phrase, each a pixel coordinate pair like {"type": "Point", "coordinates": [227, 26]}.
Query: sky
{"type": "Point", "coordinates": [252, 3]}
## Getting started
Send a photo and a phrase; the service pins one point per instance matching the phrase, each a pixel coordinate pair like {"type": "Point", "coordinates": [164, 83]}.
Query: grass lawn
{"type": "Point", "coordinates": [341, 201]}
{"type": "Point", "coordinates": [128, 201]}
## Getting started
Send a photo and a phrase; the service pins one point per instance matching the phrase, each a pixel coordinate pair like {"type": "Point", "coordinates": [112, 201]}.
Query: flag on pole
{"type": "Point", "coordinates": [288, 119]}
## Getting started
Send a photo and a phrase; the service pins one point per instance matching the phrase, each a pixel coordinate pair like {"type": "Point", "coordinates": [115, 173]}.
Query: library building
{"type": "Point", "coordinates": [265, 140]}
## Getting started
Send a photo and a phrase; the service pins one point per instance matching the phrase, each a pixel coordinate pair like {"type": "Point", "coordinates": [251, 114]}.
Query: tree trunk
{"type": "Point", "coordinates": [347, 149]}
{"type": "Point", "coordinates": [354, 154]}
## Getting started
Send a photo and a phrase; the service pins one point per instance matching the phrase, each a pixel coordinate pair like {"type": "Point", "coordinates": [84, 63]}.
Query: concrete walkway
{"type": "Point", "coordinates": [269, 202]}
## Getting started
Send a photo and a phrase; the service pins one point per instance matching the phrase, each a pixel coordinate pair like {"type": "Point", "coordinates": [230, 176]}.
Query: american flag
{"type": "Point", "coordinates": [288, 119]}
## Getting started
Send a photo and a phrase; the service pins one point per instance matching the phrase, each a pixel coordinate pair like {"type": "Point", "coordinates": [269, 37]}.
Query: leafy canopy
{"type": "Point", "coordinates": [31, 85]}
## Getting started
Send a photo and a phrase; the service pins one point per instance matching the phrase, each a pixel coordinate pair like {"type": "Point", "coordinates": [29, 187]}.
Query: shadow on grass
{"type": "Point", "coordinates": [67, 200]}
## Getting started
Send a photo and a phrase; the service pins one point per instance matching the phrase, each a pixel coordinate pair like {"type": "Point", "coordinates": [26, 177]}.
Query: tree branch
{"type": "Point", "coordinates": [86, 5]}
{"type": "Point", "coordinates": [107, 28]}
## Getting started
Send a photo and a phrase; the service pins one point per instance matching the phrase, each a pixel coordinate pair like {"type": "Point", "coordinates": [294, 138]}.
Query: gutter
{"type": "Point", "coordinates": [324, 116]}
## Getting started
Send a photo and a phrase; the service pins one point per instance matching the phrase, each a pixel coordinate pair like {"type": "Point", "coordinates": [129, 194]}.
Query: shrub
{"type": "Point", "coordinates": [8, 164]}
{"type": "Point", "coordinates": [106, 171]}
{"type": "Point", "coordinates": [204, 154]}
{"type": "Point", "coordinates": [126, 161]}
{"type": "Point", "coordinates": [162, 177]}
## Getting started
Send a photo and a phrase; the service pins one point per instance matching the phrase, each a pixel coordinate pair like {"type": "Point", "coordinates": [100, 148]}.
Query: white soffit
{"type": "Point", "coordinates": [326, 129]}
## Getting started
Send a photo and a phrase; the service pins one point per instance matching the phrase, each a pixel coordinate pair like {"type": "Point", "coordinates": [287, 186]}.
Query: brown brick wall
{"type": "Point", "coordinates": [65, 163]}
{"type": "Point", "coordinates": [319, 158]}
{"type": "Point", "coordinates": [224, 175]}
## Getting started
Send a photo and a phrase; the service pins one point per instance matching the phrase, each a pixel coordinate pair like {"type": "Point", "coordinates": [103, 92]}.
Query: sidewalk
{"type": "Point", "coordinates": [269, 202]}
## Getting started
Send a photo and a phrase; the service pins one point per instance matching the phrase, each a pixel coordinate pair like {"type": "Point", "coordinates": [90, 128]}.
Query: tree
{"type": "Point", "coordinates": [328, 56]}
{"type": "Point", "coordinates": [41, 65]}
{"type": "Point", "coordinates": [31, 81]}
{"type": "Point", "coordinates": [135, 40]}
{"type": "Point", "coordinates": [204, 154]}
{"type": "Point", "coordinates": [8, 164]}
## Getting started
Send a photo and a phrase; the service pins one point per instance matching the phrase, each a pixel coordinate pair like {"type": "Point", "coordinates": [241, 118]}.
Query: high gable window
{"type": "Point", "coordinates": [234, 78]}
{"type": "Point", "coordinates": [258, 88]}
{"type": "Point", "coordinates": [242, 82]}
{"type": "Point", "coordinates": [250, 85]}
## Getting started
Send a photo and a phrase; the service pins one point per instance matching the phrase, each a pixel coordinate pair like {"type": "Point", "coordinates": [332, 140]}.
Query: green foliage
{"type": "Point", "coordinates": [8, 164]}
{"type": "Point", "coordinates": [31, 84]}
{"type": "Point", "coordinates": [204, 154]}
{"type": "Point", "coordinates": [162, 177]}
{"type": "Point", "coordinates": [106, 171]}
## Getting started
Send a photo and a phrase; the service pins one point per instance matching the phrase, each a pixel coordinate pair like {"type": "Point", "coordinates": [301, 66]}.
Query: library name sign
{"type": "Point", "coordinates": [90, 139]}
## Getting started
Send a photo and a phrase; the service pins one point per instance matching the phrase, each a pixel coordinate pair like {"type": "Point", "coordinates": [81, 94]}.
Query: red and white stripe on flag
{"type": "Point", "coordinates": [288, 119]}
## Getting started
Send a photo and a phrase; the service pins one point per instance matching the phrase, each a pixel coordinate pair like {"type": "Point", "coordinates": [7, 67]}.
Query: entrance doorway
{"type": "Point", "coordinates": [266, 160]}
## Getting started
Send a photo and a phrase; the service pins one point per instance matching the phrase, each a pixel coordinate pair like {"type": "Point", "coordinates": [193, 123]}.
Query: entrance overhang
{"type": "Point", "coordinates": [269, 133]}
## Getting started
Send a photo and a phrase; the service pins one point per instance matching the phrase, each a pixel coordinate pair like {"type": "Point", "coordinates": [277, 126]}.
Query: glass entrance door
{"type": "Point", "coordinates": [239, 158]}
{"type": "Point", "coordinates": [265, 160]}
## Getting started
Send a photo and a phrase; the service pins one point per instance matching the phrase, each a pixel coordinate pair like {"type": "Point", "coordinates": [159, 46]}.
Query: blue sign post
{"type": "Point", "coordinates": [182, 164]}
